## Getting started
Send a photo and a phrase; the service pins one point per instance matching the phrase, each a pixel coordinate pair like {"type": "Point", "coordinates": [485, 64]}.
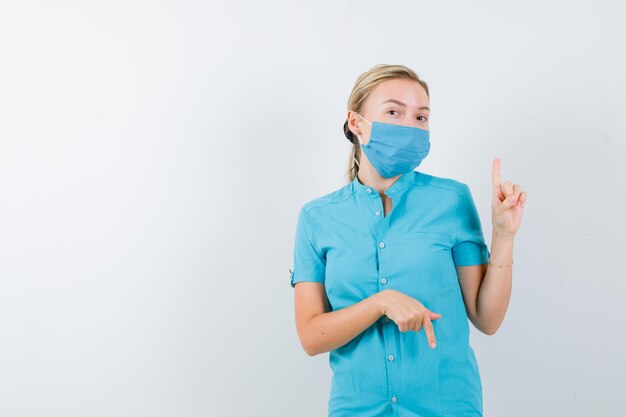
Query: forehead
{"type": "Point", "coordinates": [407, 91]}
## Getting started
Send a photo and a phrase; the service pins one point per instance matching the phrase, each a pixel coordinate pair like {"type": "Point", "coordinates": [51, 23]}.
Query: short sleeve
{"type": "Point", "coordinates": [308, 263]}
{"type": "Point", "coordinates": [469, 248]}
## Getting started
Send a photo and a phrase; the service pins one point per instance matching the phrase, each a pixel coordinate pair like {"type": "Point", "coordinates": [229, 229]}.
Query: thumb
{"type": "Point", "coordinates": [434, 315]}
{"type": "Point", "coordinates": [510, 201]}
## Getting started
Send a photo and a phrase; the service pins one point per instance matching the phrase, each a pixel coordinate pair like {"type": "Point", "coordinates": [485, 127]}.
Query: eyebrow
{"type": "Point", "coordinates": [404, 105]}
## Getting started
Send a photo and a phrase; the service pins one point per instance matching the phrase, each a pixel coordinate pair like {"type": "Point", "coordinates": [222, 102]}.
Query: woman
{"type": "Point", "coordinates": [395, 251]}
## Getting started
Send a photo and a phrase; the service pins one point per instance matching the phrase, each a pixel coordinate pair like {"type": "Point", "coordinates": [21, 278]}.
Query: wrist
{"type": "Point", "coordinates": [501, 265]}
{"type": "Point", "coordinates": [502, 236]}
{"type": "Point", "coordinates": [380, 300]}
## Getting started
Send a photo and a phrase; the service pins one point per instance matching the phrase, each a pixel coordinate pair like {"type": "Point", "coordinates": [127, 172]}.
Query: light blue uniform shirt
{"type": "Point", "coordinates": [344, 240]}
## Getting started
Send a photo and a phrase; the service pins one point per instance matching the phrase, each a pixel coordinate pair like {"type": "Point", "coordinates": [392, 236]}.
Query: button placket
{"type": "Point", "coordinates": [382, 264]}
{"type": "Point", "coordinates": [388, 331]}
{"type": "Point", "coordinates": [386, 238]}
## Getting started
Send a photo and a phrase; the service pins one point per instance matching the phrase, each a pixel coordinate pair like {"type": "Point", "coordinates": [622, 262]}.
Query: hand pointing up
{"type": "Point", "coordinates": [507, 205]}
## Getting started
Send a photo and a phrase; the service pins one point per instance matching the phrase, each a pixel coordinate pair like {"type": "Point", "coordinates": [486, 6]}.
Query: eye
{"type": "Point", "coordinates": [392, 110]}
{"type": "Point", "coordinates": [425, 118]}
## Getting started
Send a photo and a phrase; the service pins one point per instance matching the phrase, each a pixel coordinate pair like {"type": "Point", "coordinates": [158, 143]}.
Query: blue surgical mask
{"type": "Point", "coordinates": [395, 149]}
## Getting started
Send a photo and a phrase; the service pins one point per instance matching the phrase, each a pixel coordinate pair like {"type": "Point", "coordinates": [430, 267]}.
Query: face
{"type": "Point", "coordinates": [397, 101]}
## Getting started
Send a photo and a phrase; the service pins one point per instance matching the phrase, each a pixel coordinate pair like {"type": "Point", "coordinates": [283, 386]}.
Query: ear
{"type": "Point", "coordinates": [353, 119]}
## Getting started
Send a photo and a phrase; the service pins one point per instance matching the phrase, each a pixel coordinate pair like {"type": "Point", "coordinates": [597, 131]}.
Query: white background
{"type": "Point", "coordinates": [154, 156]}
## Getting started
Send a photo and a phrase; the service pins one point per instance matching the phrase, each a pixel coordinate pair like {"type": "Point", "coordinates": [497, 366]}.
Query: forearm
{"type": "Point", "coordinates": [495, 290]}
{"type": "Point", "coordinates": [327, 331]}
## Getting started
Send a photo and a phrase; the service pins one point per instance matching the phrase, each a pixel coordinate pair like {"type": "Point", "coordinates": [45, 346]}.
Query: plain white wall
{"type": "Point", "coordinates": [154, 156]}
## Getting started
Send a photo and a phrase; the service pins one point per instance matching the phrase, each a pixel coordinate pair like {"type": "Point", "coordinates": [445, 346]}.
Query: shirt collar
{"type": "Point", "coordinates": [402, 184]}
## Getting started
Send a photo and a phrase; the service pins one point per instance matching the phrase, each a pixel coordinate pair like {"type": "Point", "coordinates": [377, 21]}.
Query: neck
{"type": "Point", "coordinates": [367, 175]}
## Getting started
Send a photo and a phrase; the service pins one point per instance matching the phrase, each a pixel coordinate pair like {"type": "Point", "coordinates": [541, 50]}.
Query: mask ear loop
{"type": "Point", "coordinates": [362, 118]}
{"type": "Point", "coordinates": [358, 138]}
{"type": "Point", "coordinates": [359, 142]}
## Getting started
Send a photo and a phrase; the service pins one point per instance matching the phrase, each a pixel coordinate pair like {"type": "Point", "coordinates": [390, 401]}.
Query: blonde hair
{"type": "Point", "coordinates": [364, 85]}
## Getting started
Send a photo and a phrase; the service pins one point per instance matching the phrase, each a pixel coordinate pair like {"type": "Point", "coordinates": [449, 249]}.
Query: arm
{"type": "Point", "coordinates": [322, 331]}
{"type": "Point", "coordinates": [487, 289]}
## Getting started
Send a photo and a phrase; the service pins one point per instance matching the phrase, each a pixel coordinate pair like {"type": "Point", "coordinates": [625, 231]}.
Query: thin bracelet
{"type": "Point", "coordinates": [502, 266]}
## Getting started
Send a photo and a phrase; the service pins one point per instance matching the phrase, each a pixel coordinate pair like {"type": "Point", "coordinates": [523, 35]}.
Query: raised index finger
{"type": "Point", "coordinates": [495, 173]}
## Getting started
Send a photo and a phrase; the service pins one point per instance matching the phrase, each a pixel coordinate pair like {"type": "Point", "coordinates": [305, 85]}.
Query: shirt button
{"type": "Point", "coordinates": [381, 244]}
{"type": "Point", "coordinates": [394, 399]}
{"type": "Point", "coordinates": [383, 281]}
{"type": "Point", "coordinates": [369, 190]}
{"type": "Point", "coordinates": [378, 212]}
{"type": "Point", "coordinates": [391, 358]}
